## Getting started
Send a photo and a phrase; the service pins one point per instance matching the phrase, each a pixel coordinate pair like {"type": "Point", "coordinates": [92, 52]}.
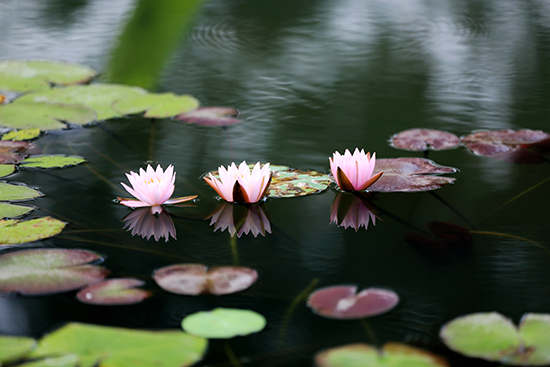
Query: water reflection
{"type": "Point", "coordinates": [349, 210]}
{"type": "Point", "coordinates": [141, 222]}
{"type": "Point", "coordinates": [241, 219]}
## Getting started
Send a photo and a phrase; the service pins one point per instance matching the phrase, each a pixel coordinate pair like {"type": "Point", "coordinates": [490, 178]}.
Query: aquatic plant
{"type": "Point", "coordinates": [354, 172]}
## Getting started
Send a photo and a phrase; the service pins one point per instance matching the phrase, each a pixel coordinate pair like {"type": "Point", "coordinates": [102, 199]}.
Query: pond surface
{"type": "Point", "coordinates": [309, 78]}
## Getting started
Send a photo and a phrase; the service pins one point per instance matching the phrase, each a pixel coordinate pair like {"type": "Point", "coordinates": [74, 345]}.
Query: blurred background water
{"type": "Point", "coordinates": [308, 77]}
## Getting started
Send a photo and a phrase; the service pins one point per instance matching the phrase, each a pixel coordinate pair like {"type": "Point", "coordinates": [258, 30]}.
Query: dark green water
{"type": "Point", "coordinates": [309, 78]}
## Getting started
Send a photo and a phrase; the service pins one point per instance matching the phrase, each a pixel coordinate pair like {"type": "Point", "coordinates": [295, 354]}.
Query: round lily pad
{"type": "Point", "coordinates": [14, 347]}
{"type": "Point", "coordinates": [194, 279]}
{"type": "Point", "coordinates": [14, 232]}
{"type": "Point", "coordinates": [25, 113]}
{"type": "Point", "coordinates": [6, 169]}
{"type": "Point", "coordinates": [52, 161]}
{"type": "Point", "coordinates": [343, 302]}
{"type": "Point", "coordinates": [45, 271]}
{"type": "Point", "coordinates": [211, 116]}
{"type": "Point", "coordinates": [14, 211]}
{"type": "Point", "coordinates": [24, 76]}
{"type": "Point", "coordinates": [223, 323]}
{"type": "Point", "coordinates": [120, 291]}
{"type": "Point", "coordinates": [10, 192]}
{"type": "Point", "coordinates": [13, 151]}
{"type": "Point", "coordinates": [424, 139]}
{"type": "Point", "coordinates": [20, 135]}
{"type": "Point", "coordinates": [156, 105]}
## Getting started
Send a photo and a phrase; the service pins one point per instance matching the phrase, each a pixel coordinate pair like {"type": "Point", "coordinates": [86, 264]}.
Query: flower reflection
{"type": "Point", "coordinates": [142, 222]}
{"type": "Point", "coordinates": [352, 211]}
{"type": "Point", "coordinates": [241, 219]}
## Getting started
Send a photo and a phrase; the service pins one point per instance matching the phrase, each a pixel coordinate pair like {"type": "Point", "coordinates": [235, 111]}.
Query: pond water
{"type": "Point", "coordinates": [309, 78]}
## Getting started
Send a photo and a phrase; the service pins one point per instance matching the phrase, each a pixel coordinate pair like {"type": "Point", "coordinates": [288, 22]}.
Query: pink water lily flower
{"type": "Point", "coordinates": [354, 172]}
{"type": "Point", "coordinates": [152, 188]}
{"type": "Point", "coordinates": [239, 184]}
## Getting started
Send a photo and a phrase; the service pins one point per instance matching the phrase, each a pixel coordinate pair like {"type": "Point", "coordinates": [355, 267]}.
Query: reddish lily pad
{"type": "Point", "coordinates": [121, 291]}
{"type": "Point", "coordinates": [46, 271]}
{"type": "Point", "coordinates": [194, 279]}
{"type": "Point", "coordinates": [522, 146]}
{"type": "Point", "coordinates": [410, 175]}
{"type": "Point", "coordinates": [13, 151]}
{"type": "Point", "coordinates": [424, 139]}
{"type": "Point", "coordinates": [210, 116]}
{"type": "Point", "coordinates": [343, 302]}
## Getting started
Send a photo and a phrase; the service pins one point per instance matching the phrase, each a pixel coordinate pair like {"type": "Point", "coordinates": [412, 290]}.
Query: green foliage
{"type": "Point", "coordinates": [28, 112]}
{"type": "Point", "coordinates": [223, 323]}
{"type": "Point", "coordinates": [52, 161]}
{"type": "Point", "coordinates": [14, 231]}
{"type": "Point", "coordinates": [6, 169]}
{"type": "Point", "coordinates": [156, 105]}
{"type": "Point", "coordinates": [9, 192]}
{"type": "Point", "coordinates": [14, 347]}
{"type": "Point", "coordinates": [20, 135]}
{"type": "Point", "coordinates": [14, 211]}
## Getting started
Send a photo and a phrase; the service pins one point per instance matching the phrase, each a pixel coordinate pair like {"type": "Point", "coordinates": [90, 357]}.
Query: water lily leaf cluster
{"type": "Point", "coordinates": [10, 193]}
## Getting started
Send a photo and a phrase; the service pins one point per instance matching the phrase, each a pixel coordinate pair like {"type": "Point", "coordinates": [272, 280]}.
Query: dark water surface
{"type": "Point", "coordinates": [309, 77]}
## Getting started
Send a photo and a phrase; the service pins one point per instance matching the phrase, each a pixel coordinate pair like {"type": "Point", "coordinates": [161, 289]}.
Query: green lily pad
{"type": "Point", "coordinates": [391, 355]}
{"type": "Point", "coordinates": [69, 360]}
{"type": "Point", "coordinates": [120, 291]}
{"type": "Point", "coordinates": [9, 192]}
{"type": "Point", "coordinates": [13, 232]}
{"type": "Point", "coordinates": [14, 347]}
{"type": "Point", "coordinates": [223, 323]}
{"type": "Point", "coordinates": [28, 114]}
{"type": "Point", "coordinates": [118, 347]}
{"type": "Point", "coordinates": [494, 337]}
{"type": "Point", "coordinates": [52, 161]}
{"type": "Point", "coordinates": [98, 97]}
{"type": "Point", "coordinates": [45, 271]}
{"type": "Point", "coordinates": [14, 211]}
{"type": "Point", "coordinates": [6, 169]}
{"type": "Point", "coordinates": [20, 135]}
{"type": "Point", "coordinates": [24, 76]}
{"type": "Point", "coordinates": [14, 151]}
{"type": "Point", "coordinates": [156, 105]}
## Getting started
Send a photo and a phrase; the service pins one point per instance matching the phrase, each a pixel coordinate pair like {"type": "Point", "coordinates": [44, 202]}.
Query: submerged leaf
{"type": "Point", "coordinates": [13, 232]}
{"type": "Point", "coordinates": [120, 291]}
{"type": "Point", "coordinates": [14, 211]}
{"type": "Point", "coordinates": [9, 192]}
{"type": "Point", "coordinates": [13, 151]}
{"type": "Point", "coordinates": [156, 105]}
{"type": "Point", "coordinates": [6, 169]}
{"type": "Point", "coordinates": [211, 116]}
{"type": "Point", "coordinates": [424, 139]}
{"type": "Point", "coordinates": [223, 323]}
{"type": "Point", "coordinates": [20, 135]}
{"type": "Point", "coordinates": [25, 113]}
{"type": "Point", "coordinates": [14, 347]}
{"type": "Point", "coordinates": [52, 161]}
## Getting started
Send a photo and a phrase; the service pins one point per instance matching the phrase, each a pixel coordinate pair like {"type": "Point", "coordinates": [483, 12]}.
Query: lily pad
{"type": "Point", "coordinates": [14, 211]}
{"type": "Point", "coordinates": [343, 302]}
{"type": "Point", "coordinates": [118, 347]}
{"type": "Point", "coordinates": [522, 146]}
{"type": "Point", "coordinates": [390, 355]}
{"type": "Point", "coordinates": [52, 161]}
{"type": "Point", "coordinates": [494, 337]}
{"type": "Point", "coordinates": [13, 232]}
{"type": "Point", "coordinates": [290, 182]}
{"type": "Point", "coordinates": [409, 175]}
{"type": "Point", "coordinates": [20, 135]}
{"type": "Point", "coordinates": [68, 360]}
{"type": "Point", "coordinates": [121, 291]}
{"type": "Point", "coordinates": [223, 323]}
{"type": "Point", "coordinates": [13, 151]}
{"type": "Point", "coordinates": [15, 347]}
{"type": "Point", "coordinates": [424, 139]}
{"type": "Point", "coordinates": [45, 271]}
{"type": "Point", "coordinates": [156, 105]}
{"type": "Point", "coordinates": [6, 169]}
{"type": "Point", "coordinates": [98, 97]}
{"type": "Point", "coordinates": [24, 76]}
{"type": "Point", "coordinates": [194, 279]}
{"type": "Point", "coordinates": [10, 192]}
{"type": "Point", "coordinates": [211, 116]}
{"type": "Point", "coordinates": [25, 113]}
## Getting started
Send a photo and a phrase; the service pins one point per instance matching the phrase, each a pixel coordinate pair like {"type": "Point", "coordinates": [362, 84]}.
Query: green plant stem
{"type": "Point", "coordinates": [514, 237]}
{"type": "Point", "coordinates": [295, 302]}
{"type": "Point", "coordinates": [370, 331]}
{"type": "Point", "coordinates": [448, 205]}
{"type": "Point", "coordinates": [231, 355]}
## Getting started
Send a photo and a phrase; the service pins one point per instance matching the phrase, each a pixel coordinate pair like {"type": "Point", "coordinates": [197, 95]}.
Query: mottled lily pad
{"type": "Point", "coordinates": [98, 97]}
{"type": "Point", "coordinates": [522, 146]}
{"type": "Point", "coordinates": [156, 105]}
{"type": "Point", "coordinates": [13, 232]}
{"type": "Point", "coordinates": [409, 175]}
{"type": "Point", "coordinates": [211, 116]}
{"type": "Point", "coordinates": [14, 347]}
{"type": "Point", "coordinates": [14, 211]}
{"type": "Point", "coordinates": [20, 135]}
{"type": "Point", "coordinates": [9, 192]}
{"type": "Point", "coordinates": [194, 279]}
{"type": "Point", "coordinates": [424, 139]}
{"type": "Point", "coordinates": [13, 151]}
{"type": "Point", "coordinates": [121, 291]}
{"type": "Point", "coordinates": [52, 161]}
{"type": "Point", "coordinates": [390, 355]}
{"type": "Point", "coordinates": [343, 302]}
{"type": "Point", "coordinates": [494, 337]}
{"type": "Point", "coordinates": [6, 169]}
{"type": "Point", "coordinates": [223, 323]}
{"type": "Point", "coordinates": [118, 347]}
{"type": "Point", "coordinates": [27, 114]}
{"type": "Point", "coordinates": [24, 76]}
{"type": "Point", "coordinates": [45, 271]}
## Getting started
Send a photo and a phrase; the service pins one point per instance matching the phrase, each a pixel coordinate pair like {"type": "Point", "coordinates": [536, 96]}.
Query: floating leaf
{"type": "Point", "coordinates": [13, 232]}
{"type": "Point", "coordinates": [69, 360]}
{"type": "Point", "coordinates": [121, 291]}
{"type": "Point", "coordinates": [44, 271]}
{"type": "Point", "coordinates": [522, 146]}
{"type": "Point", "coordinates": [98, 97]}
{"type": "Point", "coordinates": [52, 161]}
{"type": "Point", "coordinates": [6, 169]}
{"type": "Point", "coordinates": [24, 76]}
{"type": "Point", "coordinates": [20, 135]}
{"type": "Point", "coordinates": [27, 114]}
{"type": "Point", "coordinates": [343, 302]}
{"type": "Point", "coordinates": [9, 192]}
{"type": "Point", "coordinates": [424, 139]}
{"type": "Point", "coordinates": [223, 323]}
{"type": "Point", "coordinates": [194, 279]}
{"type": "Point", "coordinates": [14, 347]}
{"type": "Point", "coordinates": [391, 355]}
{"type": "Point", "coordinates": [156, 105]}
{"type": "Point", "coordinates": [14, 211]}
{"type": "Point", "coordinates": [118, 347]}
{"type": "Point", "coordinates": [13, 151]}
{"type": "Point", "coordinates": [211, 116]}
{"type": "Point", "coordinates": [409, 175]}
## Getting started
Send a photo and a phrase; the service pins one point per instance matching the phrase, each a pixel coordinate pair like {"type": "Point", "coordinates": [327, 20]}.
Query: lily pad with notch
{"type": "Point", "coordinates": [156, 105]}
{"type": "Point", "coordinates": [14, 211]}
{"type": "Point", "coordinates": [14, 151]}
{"type": "Point", "coordinates": [47, 271]}
{"type": "Point", "coordinates": [20, 192]}
{"type": "Point", "coordinates": [211, 116]}
{"type": "Point", "coordinates": [52, 161]}
{"type": "Point", "coordinates": [25, 113]}
{"type": "Point", "coordinates": [223, 323]}
{"type": "Point", "coordinates": [14, 347]}
{"type": "Point", "coordinates": [424, 139]}
{"type": "Point", "coordinates": [21, 135]}
{"type": "Point", "coordinates": [119, 291]}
